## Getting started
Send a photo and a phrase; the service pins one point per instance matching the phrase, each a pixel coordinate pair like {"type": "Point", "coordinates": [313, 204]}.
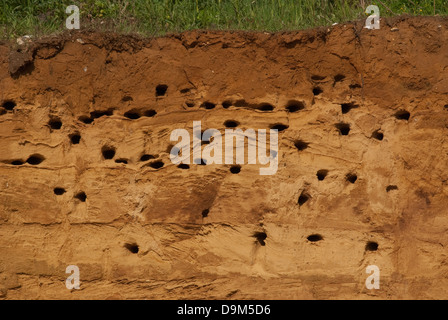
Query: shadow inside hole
{"type": "Point", "coordinates": [391, 187]}
{"type": "Point", "coordinates": [346, 107]}
{"type": "Point", "coordinates": [132, 114]}
{"type": "Point", "coordinates": [317, 91]}
{"type": "Point", "coordinates": [314, 238]}
{"type": "Point", "coordinates": [344, 128]}
{"type": "Point", "coordinates": [371, 246]}
{"type": "Point", "coordinates": [132, 247]}
{"type": "Point", "coordinates": [265, 107]}
{"type": "Point", "coordinates": [231, 123]}
{"type": "Point", "coordinates": [301, 145]}
{"type": "Point", "coordinates": [150, 113]}
{"type": "Point", "coordinates": [235, 169]}
{"type": "Point", "coordinates": [125, 161]}
{"type": "Point", "coordinates": [183, 166]}
{"type": "Point", "coordinates": [261, 237]}
{"type": "Point", "coordinates": [146, 157]}
{"type": "Point", "coordinates": [303, 198]}
{"type": "Point", "coordinates": [81, 196]}
{"type": "Point", "coordinates": [402, 115]}
{"type": "Point", "coordinates": [226, 104]}
{"type": "Point", "coordinates": [208, 105]}
{"type": "Point", "coordinates": [338, 78]}
{"type": "Point", "coordinates": [101, 113]}
{"type": "Point", "coordinates": [156, 164]}
{"type": "Point", "coordinates": [55, 123]}
{"type": "Point", "coordinates": [294, 106]}
{"type": "Point", "coordinates": [9, 105]}
{"type": "Point", "coordinates": [205, 213]}
{"type": "Point", "coordinates": [75, 138]}
{"type": "Point", "coordinates": [351, 177]}
{"type": "Point", "coordinates": [85, 119]}
{"type": "Point", "coordinates": [59, 191]}
{"type": "Point", "coordinates": [280, 127]}
{"type": "Point", "coordinates": [378, 135]}
{"type": "Point", "coordinates": [161, 90]}
{"type": "Point", "coordinates": [321, 174]}
{"type": "Point", "coordinates": [17, 162]}
{"type": "Point", "coordinates": [108, 152]}
{"type": "Point", "coordinates": [35, 159]}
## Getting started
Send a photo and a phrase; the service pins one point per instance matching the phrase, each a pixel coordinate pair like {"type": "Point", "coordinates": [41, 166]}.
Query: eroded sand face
{"type": "Point", "coordinates": [86, 178]}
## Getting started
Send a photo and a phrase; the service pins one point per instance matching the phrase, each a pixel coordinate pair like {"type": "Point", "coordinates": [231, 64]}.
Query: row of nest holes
{"type": "Point", "coordinates": [262, 236]}
{"type": "Point", "coordinates": [81, 196]}
{"type": "Point", "coordinates": [34, 159]}
{"type": "Point", "coordinates": [131, 114]}
{"type": "Point", "coordinates": [291, 106]}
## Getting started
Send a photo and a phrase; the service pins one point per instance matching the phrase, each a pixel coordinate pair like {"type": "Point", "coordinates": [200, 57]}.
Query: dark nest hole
{"type": "Point", "coordinates": [338, 78]}
{"type": "Point", "coordinates": [346, 107]}
{"type": "Point", "coordinates": [35, 159]}
{"type": "Point", "coordinates": [108, 152]}
{"type": "Point", "coordinates": [81, 196]}
{"type": "Point", "coordinates": [235, 169]}
{"type": "Point", "coordinates": [156, 164]}
{"type": "Point", "coordinates": [146, 157]}
{"type": "Point", "coordinates": [132, 247]}
{"type": "Point", "coordinates": [402, 115]}
{"type": "Point", "coordinates": [208, 105]}
{"type": "Point", "coordinates": [101, 113]}
{"type": "Point", "coordinates": [85, 119]}
{"type": "Point", "coordinates": [190, 104]}
{"type": "Point", "coordinates": [303, 198]}
{"type": "Point", "coordinates": [321, 174]}
{"type": "Point", "coordinates": [371, 246]}
{"type": "Point", "coordinates": [391, 187]}
{"type": "Point", "coordinates": [125, 161]}
{"type": "Point", "coordinates": [226, 104]}
{"type": "Point", "coordinates": [183, 166]}
{"type": "Point", "coordinates": [265, 107]}
{"type": "Point", "coordinates": [205, 213]}
{"type": "Point", "coordinates": [279, 127]}
{"type": "Point", "coordinates": [75, 138]}
{"type": "Point", "coordinates": [17, 162]}
{"type": "Point", "coordinates": [132, 114]}
{"type": "Point", "coordinates": [9, 105]}
{"type": "Point", "coordinates": [59, 191]}
{"type": "Point", "coordinates": [378, 135]}
{"type": "Point", "coordinates": [55, 123]}
{"type": "Point", "coordinates": [261, 237]}
{"type": "Point", "coordinates": [161, 90]}
{"type": "Point", "coordinates": [201, 162]}
{"type": "Point", "coordinates": [344, 128]}
{"type": "Point", "coordinates": [231, 123]}
{"type": "Point", "coordinates": [351, 177]}
{"type": "Point", "coordinates": [127, 98]}
{"type": "Point", "coordinates": [317, 77]}
{"type": "Point", "coordinates": [315, 237]}
{"type": "Point", "coordinates": [294, 106]}
{"type": "Point", "coordinates": [317, 91]}
{"type": "Point", "coordinates": [149, 113]}
{"type": "Point", "coordinates": [300, 145]}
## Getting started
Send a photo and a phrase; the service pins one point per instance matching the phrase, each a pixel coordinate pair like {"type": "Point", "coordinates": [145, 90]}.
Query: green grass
{"type": "Point", "coordinates": [157, 17]}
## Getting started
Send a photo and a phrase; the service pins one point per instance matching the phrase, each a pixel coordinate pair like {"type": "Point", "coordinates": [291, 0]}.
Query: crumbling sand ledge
{"type": "Point", "coordinates": [138, 231]}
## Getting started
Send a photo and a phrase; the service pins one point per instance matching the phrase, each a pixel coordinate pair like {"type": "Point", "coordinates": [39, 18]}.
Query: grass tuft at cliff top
{"type": "Point", "coordinates": [157, 17]}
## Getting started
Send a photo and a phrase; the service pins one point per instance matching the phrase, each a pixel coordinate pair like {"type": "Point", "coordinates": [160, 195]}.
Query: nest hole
{"type": "Point", "coordinates": [75, 138]}
{"type": "Point", "coordinates": [81, 196]}
{"type": "Point", "coordinates": [378, 135]}
{"type": "Point", "coordinates": [314, 238]}
{"type": "Point", "coordinates": [303, 198]}
{"type": "Point", "coordinates": [183, 166]}
{"type": "Point", "coordinates": [231, 123]}
{"type": "Point", "coordinates": [346, 107]}
{"type": "Point", "coordinates": [132, 114]}
{"type": "Point", "coordinates": [317, 91]}
{"type": "Point", "coordinates": [55, 123]}
{"type": "Point", "coordinates": [402, 115]}
{"type": "Point", "coordinates": [321, 174]}
{"type": "Point", "coordinates": [235, 169]}
{"type": "Point", "coordinates": [260, 237]}
{"type": "Point", "coordinates": [294, 106]}
{"type": "Point", "coordinates": [344, 128]}
{"type": "Point", "coordinates": [371, 246]}
{"type": "Point", "coordinates": [208, 105]}
{"type": "Point", "coordinates": [265, 107]}
{"type": "Point", "coordinates": [161, 90]}
{"type": "Point", "coordinates": [35, 159]}
{"type": "Point", "coordinates": [150, 113]}
{"type": "Point", "coordinates": [156, 164]}
{"type": "Point", "coordinates": [205, 213]}
{"type": "Point", "coordinates": [59, 191]}
{"type": "Point", "coordinates": [9, 105]}
{"type": "Point", "coordinates": [301, 145]}
{"type": "Point", "coordinates": [391, 187]}
{"type": "Point", "coordinates": [280, 127]}
{"type": "Point", "coordinates": [132, 247]}
{"type": "Point", "coordinates": [351, 177]}
{"type": "Point", "coordinates": [108, 152]}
